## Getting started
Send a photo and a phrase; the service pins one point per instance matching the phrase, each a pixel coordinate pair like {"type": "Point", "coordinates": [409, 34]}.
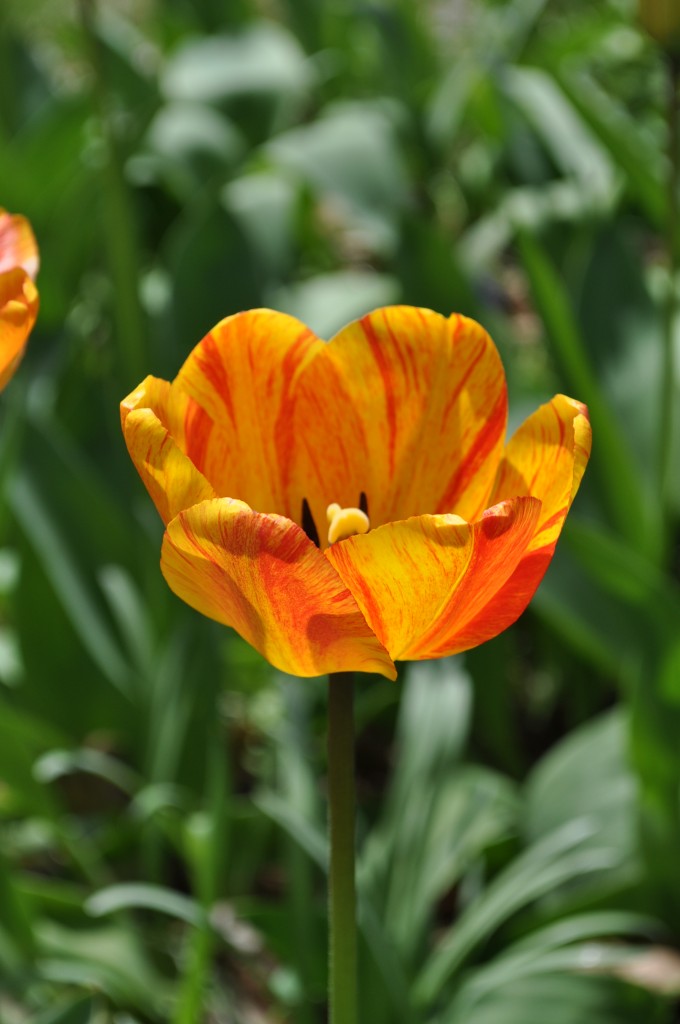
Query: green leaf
{"type": "Point", "coordinates": [54, 764]}
{"type": "Point", "coordinates": [329, 301]}
{"type": "Point", "coordinates": [632, 146]}
{"type": "Point", "coordinates": [142, 896]}
{"type": "Point", "coordinates": [60, 567]}
{"type": "Point", "coordinates": [350, 158]}
{"type": "Point", "coordinates": [575, 149]}
{"type": "Point", "coordinates": [110, 960]}
{"type": "Point", "coordinates": [573, 999]}
{"type": "Point", "coordinates": [587, 776]}
{"type": "Point", "coordinates": [80, 1011]}
{"type": "Point", "coordinates": [635, 518]}
{"type": "Point", "coordinates": [563, 856]}
{"type": "Point", "coordinates": [262, 58]}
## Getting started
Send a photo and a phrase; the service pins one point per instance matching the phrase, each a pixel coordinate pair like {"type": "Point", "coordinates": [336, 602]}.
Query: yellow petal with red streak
{"type": "Point", "coordinates": [18, 311]}
{"type": "Point", "coordinates": [170, 477]}
{"type": "Point", "coordinates": [409, 407]}
{"type": "Point", "coordinates": [261, 575]}
{"type": "Point", "coordinates": [242, 378]}
{"type": "Point", "coordinates": [419, 582]}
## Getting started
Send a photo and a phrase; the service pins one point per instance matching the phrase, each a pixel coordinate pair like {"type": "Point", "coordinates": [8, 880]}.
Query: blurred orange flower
{"type": "Point", "coordinates": [392, 437]}
{"type": "Point", "coordinates": [18, 295]}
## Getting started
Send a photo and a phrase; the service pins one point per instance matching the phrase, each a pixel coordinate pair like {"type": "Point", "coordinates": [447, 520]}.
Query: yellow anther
{"type": "Point", "coordinates": [345, 522]}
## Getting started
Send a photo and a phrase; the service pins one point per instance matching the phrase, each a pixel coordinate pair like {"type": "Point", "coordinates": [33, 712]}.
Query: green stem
{"type": "Point", "coordinates": [668, 371]}
{"type": "Point", "coordinates": [342, 980]}
{"type": "Point", "coordinates": [120, 232]}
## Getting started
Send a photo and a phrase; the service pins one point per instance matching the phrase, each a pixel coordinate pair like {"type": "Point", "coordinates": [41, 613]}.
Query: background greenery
{"type": "Point", "coordinates": [519, 819]}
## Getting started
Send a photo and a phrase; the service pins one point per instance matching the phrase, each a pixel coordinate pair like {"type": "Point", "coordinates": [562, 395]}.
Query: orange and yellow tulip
{"type": "Point", "coordinates": [18, 294]}
{"type": "Point", "coordinates": [392, 435]}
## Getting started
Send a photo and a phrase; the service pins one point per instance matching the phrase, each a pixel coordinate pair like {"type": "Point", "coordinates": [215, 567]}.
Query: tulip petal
{"type": "Point", "coordinates": [546, 457]}
{"type": "Point", "coordinates": [419, 582]}
{"type": "Point", "coordinates": [18, 311]}
{"type": "Point", "coordinates": [171, 479]}
{"type": "Point", "coordinates": [408, 407]}
{"type": "Point", "coordinates": [18, 247]}
{"type": "Point", "coordinates": [261, 575]}
{"type": "Point", "coordinates": [242, 377]}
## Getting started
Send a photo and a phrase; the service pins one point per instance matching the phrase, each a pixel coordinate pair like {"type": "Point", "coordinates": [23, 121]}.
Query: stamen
{"type": "Point", "coordinates": [363, 502]}
{"type": "Point", "coordinates": [345, 522]}
{"type": "Point", "coordinates": [308, 524]}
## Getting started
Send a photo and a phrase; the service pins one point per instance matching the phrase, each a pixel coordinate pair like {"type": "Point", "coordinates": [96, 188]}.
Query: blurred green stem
{"type": "Point", "coordinates": [209, 835]}
{"type": "Point", "coordinates": [342, 981]}
{"type": "Point", "coordinates": [120, 236]}
{"type": "Point", "coordinates": [6, 91]}
{"type": "Point", "coordinates": [668, 369]}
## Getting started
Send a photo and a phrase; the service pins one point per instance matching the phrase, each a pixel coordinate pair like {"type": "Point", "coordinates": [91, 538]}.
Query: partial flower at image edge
{"type": "Point", "coordinates": [19, 262]}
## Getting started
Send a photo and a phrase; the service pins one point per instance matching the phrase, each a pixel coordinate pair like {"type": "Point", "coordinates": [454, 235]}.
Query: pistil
{"type": "Point", "coordinates": [345, 522]}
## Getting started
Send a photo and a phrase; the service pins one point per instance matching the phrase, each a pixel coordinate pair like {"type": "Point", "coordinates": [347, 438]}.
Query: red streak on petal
{"type": "Point", "coordinates": [382, 362]}
{"type": "Point", "coordinates": [214, 370]}
{"type": "Point", "coordinates": [478, 452]}
{"type": "Point", "coordinates": [284, 429]}
{"type": "Point", "coordinates": [197, 430]}
{"type": "Point", "coordinates": [455, 395]}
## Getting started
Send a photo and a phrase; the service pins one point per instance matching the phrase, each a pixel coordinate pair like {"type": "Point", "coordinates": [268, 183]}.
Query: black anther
{"type": "Point", "coordinates": [308, 524]}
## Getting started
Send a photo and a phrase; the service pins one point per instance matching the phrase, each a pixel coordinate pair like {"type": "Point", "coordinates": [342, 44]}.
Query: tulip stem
{"type": "Point", "coordinates": [342, 976]}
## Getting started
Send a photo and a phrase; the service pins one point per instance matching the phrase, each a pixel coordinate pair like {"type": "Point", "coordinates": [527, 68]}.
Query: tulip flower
{"type": "Point", "coordinates": [344, 505]}
{"type": "Point", "coordinates": [18, 294]}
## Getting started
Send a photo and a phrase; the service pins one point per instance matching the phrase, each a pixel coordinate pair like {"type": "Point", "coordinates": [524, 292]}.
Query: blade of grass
{"type": "Point", "coordinates": [206, 834]}
{"type": "Point", "coordinates": [120, 235]}
{"type": "Point", "coordinates": [632, 514]}
{"type": "Point", "coordinates": [60, 567]}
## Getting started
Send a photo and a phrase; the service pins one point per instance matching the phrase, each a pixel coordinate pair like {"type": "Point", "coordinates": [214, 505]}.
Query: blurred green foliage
{"type": "Point", "coordinates": [519, 823]}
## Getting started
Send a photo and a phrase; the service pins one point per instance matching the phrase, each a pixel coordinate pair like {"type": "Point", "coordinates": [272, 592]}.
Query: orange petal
{"type": "Point", "coordinates": [170, 477]}
{"type": "Point", "coordinates": [18, 247]}
{"type": "Point", "coordinates": [261, 575]}
{"type": "Point", "coordinates": [546, 457]}
{"type": "Point", "coordinates": [408, 407]}
{"type": "Point", "coordinates": [419, 582]}
{"type": "Point", "coordinates": [242, 379]}
{"type": "Point", "coordinates": [18, 310]}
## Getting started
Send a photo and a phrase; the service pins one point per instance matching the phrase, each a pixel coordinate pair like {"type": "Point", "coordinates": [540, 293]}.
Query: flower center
{"type": "Point", "coordinates": [345, 522]}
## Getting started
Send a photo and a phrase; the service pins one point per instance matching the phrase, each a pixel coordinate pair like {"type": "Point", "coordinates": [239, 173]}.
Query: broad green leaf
{"type": "Point", "coordinates": [267, 205]}
{"type": "Point", "coordinates": [587, 776]}
{"type": "Point", "coordinates": [351, 160]}
{"type": "Point", "coordinates": [213, 272]}
{"type": "Point", "coordinates": [262, 58]}
{"type": "Point", "coordinates": [328, 302]}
